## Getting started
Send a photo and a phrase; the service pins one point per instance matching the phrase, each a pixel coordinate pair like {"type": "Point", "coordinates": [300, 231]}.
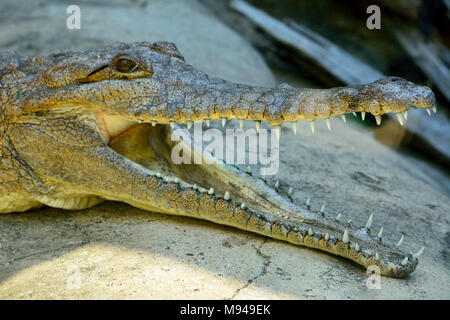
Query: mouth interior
{"type": "Point", "coordinates": [151, 147]}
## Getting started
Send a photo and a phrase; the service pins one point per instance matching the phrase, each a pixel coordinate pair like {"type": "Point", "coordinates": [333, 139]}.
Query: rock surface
{"type": "Point", "coordinates": [117, 251]}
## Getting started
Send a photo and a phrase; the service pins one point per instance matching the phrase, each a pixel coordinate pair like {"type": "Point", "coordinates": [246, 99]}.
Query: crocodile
{"type": "Point", "coordinates": [79, 128]}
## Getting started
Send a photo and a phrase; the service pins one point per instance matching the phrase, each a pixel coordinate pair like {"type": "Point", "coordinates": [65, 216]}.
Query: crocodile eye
{"type": "Point", "coordinates": [125, 65]}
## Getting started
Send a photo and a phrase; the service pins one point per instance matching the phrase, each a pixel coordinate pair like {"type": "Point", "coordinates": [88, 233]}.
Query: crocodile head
{"type": "Point", "coordinates": [98, 125]}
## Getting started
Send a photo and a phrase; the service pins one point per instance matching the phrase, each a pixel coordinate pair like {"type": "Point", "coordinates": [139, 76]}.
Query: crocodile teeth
{"type": "Point", "coordinates": [354, 113]}
{"type": "Point", "coordinates": [249, 170]}
{"type": "Point", "coordinates": [311, 124]}
{"type": "Point", "coordinates": [338, 217]}
{"type": "Point", "coordinates": [327, 236]}
{"type": "Point", "coordinates": [277, 184]}
{"type": "Point", "coordinates": [399, 118]}
{"type": "Point", "coordinates": [153, 123]}
{"type": "Point", "coordinates": [226, 197]}
{"type": "Point", "coordinates": [378, 120]}
{"type": "Point", "coordinates": [211, 191]}
{"type": "Point", "coordinates": [404, 261]}
{"type": "Point", "coordinates": [428, 111]}
{"type": "Point", "coordinates": [257, 126]}
{"type": "Point", "coordinates": [399, 243]}
{"type": "Point", "coordinates": [380, 233]}
{"type": "Point", "coordinates": [243, 205]}
{"type": "Point", "coordinates": [308, 201]}
{"type": "Point", "coordinates": [345, 237]}
{"type": "Point", "coordinates": [224, 122]}
{"type": "Point", "coordinates": [363, 115]}
{"type": "Point", "coordinates": [310, 232]}
{"type": "Point", "coordinates": [356, 247]}
{"type": "Point", "coordinates": [172, 124]}
{"type": "Point", "coordinates": [343, 118]}
{"type": "Point", "coordinates": [176, 180]}
{"type": "Point", "coordinates": [322, 208]}
{"type": "Point", "coordinates": [294, 127]}
{"type": "Point", "coordinates": [377, 256]}
{"type": "Point", "coordinates": [189, 124]}
{"type": "Point", "coordinates": [327, 122]}
{"type": "Point", "coordinates": [241, 123]}
{"type": "Point", "coordinates": [263, 177]}
{"type": "Point", "coordinates": [140, 121]}
{"type": "Point", "coordinates": [277, 132]}
{"type": "Point", "coordinates": [349, 221]}
{"type": "Point", "coordinates": [418, 253]}
{"type": "Point", "coordinates": [208, 122]}
{"type": "Point", "coordinates": [290, 191]}
{"type": "Point", "coordinates": [405, 114]}
{"type": "Point", "coordinates": [434, 109]}
{"type": "Point", "coordinates": [369, 222]}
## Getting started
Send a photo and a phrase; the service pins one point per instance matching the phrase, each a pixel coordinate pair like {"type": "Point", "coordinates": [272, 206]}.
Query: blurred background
{"type": "Point", "coordinates": [324, 43]}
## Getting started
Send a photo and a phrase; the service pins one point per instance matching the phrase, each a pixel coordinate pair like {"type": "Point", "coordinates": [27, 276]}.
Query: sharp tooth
{"type": "Point", "coordinates": [378, 119]}
{"type": "Point", "coordinates": [380, 233]}
{"type": "Point", "coordinates": [172, 124]}
{"type": "Point", "coordinates": [158, 175]}
{"type": "Point", "coordinates": [257, 126]}
{"type": "Point", "coordinates": [224, 122]}
{"type": "Point", "coordinates": [208, 122]}
{"type": "Point", "coordinates": [322, 208]}
{"type": "Point", "coordinates": [130, 119]}
{"type": "Point", "coordinates": [153, 123]}
{"type": "Point", "coordinates": [343, 118]}
{"type": "Point", "coordinates": [345, 237]}
{"type": "Point", "coordinates": [377, 257]}
{"type": "Point", "coordinates": [338, 217]}
{"type": "Point", "coordinates": [294, 127]}
{"type": "Point", "coordinates": [311, 124]}
{"type": "Point", "coordinates": [263, 177]}
{"type": "Point", "coordinates": [290, 191]}
{"type": "Point", "coordinates": [241, 123]}
{"type": "Point", "coordinates": [434, 109]}
{"type": "Point", "coordinates": [308, 200]}
{"type": "Point", "coordinates": [189, 124]}
{"type": "Point", "coordinates": [226, 197]}
{"type": "Point", "coordinates": [363, 115]}
{"type": "Point", "coordinates": [327, 236]}
{"type": "Point", "coordinates": [418, 253]}
{"type": "Point", "coordinates": [277, 184]}
{"type": "Point", "coordinates": [140, 121]}
{"type": "Point", "coordinates": [369, 222]}
{"type": "Point", "coordinates": [243, 205]}
{"type": "Point", "coordinates": [211, 191]}
{"type": "Point", "coordinates": [310, 232]}
{"type": "Point", "coordinates": [404, 261]}
{"type": "Point", "coordinates": [277, 132]}
{"type": "Point", "coordinates": [327, 121]}
{"type": "Point", "coordinates": [356, 247]}
{"type": "Point", "coordinates": [176, 180]}
{"type": "Point", "coordinates": [249, 170]}
{"type": "Point", "coordinates": [405, 114]}
{"type": "Point", "coordinates": [354, 113]}
{"type": "Point", "coordinates": [428, 111]}
{"type": "Point", "coordinates": [399, 243]}
{"type": "Point", "coordinates": [349, 221]}
{"type": "Point", "coordinates": [399, 118]}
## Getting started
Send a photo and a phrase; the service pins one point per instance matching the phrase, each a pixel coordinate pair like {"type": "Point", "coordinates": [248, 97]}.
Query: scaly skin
{"type": "Point", "coordinates": [75, 130]}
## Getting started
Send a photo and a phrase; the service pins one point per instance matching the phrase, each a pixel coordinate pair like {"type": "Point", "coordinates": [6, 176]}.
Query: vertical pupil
{"type": "Point", "coordinates": [125, 65]}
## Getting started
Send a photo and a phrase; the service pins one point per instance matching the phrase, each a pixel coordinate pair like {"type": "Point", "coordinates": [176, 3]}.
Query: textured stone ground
{"type": "Point", "coordinates": [116, 251]}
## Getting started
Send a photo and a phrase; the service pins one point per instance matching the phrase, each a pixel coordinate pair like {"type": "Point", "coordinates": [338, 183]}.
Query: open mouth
{"type": "Point", "coordinates": [243, 200]}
